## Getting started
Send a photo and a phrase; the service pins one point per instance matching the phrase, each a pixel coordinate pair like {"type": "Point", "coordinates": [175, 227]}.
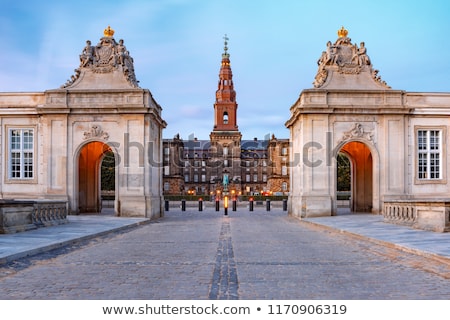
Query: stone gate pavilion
{"type": "Point", "coordinates": [53, 142]}
{"type": "Point", "coordinates": [396, 141]}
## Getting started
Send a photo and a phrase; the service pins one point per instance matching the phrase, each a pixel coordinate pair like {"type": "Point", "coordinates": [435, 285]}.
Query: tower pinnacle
{"type": "Point", "coordinates": [225, 47]}
{"type": "Point", "coordinates": [225, 106]}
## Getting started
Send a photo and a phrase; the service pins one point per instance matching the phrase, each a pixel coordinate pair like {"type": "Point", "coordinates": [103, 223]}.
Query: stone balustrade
{"type": "Point", "coordinates": [401, 213]}
{"type": "Point", "coordinates": [432, 215]}
{"type": "Point", "coordinates": [49, 212]}
{"type": "Point", "coordinates": [23, 215]}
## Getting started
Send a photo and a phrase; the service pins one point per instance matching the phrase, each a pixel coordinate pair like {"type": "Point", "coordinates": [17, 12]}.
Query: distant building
{"type": "Point", "coordinates": [248, 167]}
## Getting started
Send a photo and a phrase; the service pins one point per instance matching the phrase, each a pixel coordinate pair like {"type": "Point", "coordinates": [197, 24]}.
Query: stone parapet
{"type": "Point", "coordinates": [49, 212]}
{"type": "Point", "coordinates": [16, 216]}
{"type": "Point", "coordinates": [23, 215]}
{"type": "Point", "coordinates": [432, 215]}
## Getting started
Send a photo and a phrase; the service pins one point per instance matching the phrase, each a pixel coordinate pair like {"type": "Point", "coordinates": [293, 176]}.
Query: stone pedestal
{"type": "Point", "coordinates": [433, 216]}
{"type": "Point", "coordinates": [16, 216]}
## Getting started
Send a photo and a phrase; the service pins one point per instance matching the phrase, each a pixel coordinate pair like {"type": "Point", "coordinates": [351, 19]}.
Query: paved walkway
{"type": "Point", "coordinates": [83, 227]}
{"type": "Point", "coordinates": [371, 227]}
{"type": "Point", "coordinates": [242, 256]}
{"type": "Point", "coordinates": [367, 226]}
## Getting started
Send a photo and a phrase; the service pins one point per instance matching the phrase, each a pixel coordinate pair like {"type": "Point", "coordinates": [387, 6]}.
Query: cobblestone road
{"type": "Point", "coordinates": [245, 255]}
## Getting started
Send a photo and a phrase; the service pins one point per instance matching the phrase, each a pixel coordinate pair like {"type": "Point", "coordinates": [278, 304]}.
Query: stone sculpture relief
{"type": "Point", "coordinates": [346, 58]}
{"type": "Point", "coordinates": [95, 132]}
{"type": "Point", "coordinates": [357, 131]}
{"type": "Point", "coordinates": [105, 57]}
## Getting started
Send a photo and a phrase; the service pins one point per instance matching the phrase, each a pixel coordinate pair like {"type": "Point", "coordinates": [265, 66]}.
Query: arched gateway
{"type": "Point", "coordinates": [62, 134]}
{"type": "Point", "coordinates": [110, 112]}
{"type": "Point", "coordinates": [396, 143]}
{"type": "Point", "coordinates": [90, 159]}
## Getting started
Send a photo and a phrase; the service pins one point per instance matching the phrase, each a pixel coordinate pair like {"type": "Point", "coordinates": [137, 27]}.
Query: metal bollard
{"type": "Point", "coordinates": [234, 204]}
{"type": "Point", "coordinates": [200, 204]}
{"type": "Point", "coordinates": [183, 205]}
{"type": "Point", "coordinates": [250, 204]}
{"type": "Point", "coordinates": [217, 204]}
{"type": "Point", "coordinates": [166, 205]}
{"type": "Point", "coordinates": [284, 204]}
{"type": "Point", "coordinates": [268, 205]}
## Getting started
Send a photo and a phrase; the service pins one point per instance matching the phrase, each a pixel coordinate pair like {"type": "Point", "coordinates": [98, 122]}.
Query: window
{"type": "Point", "coordinates": [283, 170]}
{"type": "Point", "coordinates": [186, 178]}
{"type": "Point", "coordinates": [225, 117]}
{"type": "Point", "coordinates": [225, 151]}
{"type": "Point", "coordinates": [195, 177]}
{"type": "Point", "coordinates": [166, 170]}
{"type": "Point", "coordinates": [284, 186]}
{"type": "Point", "coordinates": [255, 178]}
{"type": "Point", "coordinates": [264, 177]}
{"type": "Point", "coordinates": [203, 178]}
{"type": "Point", "coordinates": [21, 153]}
{"type": "Point", "coordinates": [429, 150]}
{"type": "Point", "coordinates": [247, 178]}
{"type": "Point", "coordinates": [284, 151]}
{"type": "Point", "coordinates": [166, 186]}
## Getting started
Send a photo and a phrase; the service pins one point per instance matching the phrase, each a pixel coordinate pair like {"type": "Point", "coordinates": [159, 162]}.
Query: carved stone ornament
{"type": "Point", "coordinates": [357, 131]}
{"type": "Point", "coordinates": [96, 132]}
{"type": "Point", "coordinates": [345, 58]}
{"type": "Point", "coordinates": [105, 57]}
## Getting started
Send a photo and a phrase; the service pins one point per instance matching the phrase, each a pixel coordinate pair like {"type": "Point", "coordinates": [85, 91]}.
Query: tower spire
{"type": "Point", "coordinates": [225, 47]}
{"type": "Point", "coordinates": [225, 107]}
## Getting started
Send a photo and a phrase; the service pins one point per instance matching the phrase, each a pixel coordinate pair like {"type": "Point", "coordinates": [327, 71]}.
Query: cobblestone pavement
{"type": "Point", "coordinates": [206, 255]}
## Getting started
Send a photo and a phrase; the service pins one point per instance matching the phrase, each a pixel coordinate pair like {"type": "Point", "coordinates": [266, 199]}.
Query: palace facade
{"type": "Point", "coordinates": [246, 167]}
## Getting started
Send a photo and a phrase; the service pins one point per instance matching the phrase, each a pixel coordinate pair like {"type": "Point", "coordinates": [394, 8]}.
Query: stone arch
{"type": "Point", "coordinates": [365, 184]}
{"type": "Point", "coordinates": [88, 159]}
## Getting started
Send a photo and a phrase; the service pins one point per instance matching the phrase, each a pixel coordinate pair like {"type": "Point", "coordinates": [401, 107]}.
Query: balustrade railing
{"type": "Point", "coordinates": [49, 212]}
{"type": "Point", "coordinates": [403, 213]}
{"type": "Point", "coordinates": [426, 214]}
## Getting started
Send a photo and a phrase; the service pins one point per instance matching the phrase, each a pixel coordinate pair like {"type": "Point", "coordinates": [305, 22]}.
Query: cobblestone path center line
{"type": "Point", "coordinates": [225, 281]}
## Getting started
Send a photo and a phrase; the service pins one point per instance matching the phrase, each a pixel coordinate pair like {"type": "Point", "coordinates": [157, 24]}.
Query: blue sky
{"type": "Point", "coordinates": [177, 47]}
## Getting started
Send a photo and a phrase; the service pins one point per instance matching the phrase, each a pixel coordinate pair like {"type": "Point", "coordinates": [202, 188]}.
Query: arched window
{"type": "Point", "coordinates": [225, 117]}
